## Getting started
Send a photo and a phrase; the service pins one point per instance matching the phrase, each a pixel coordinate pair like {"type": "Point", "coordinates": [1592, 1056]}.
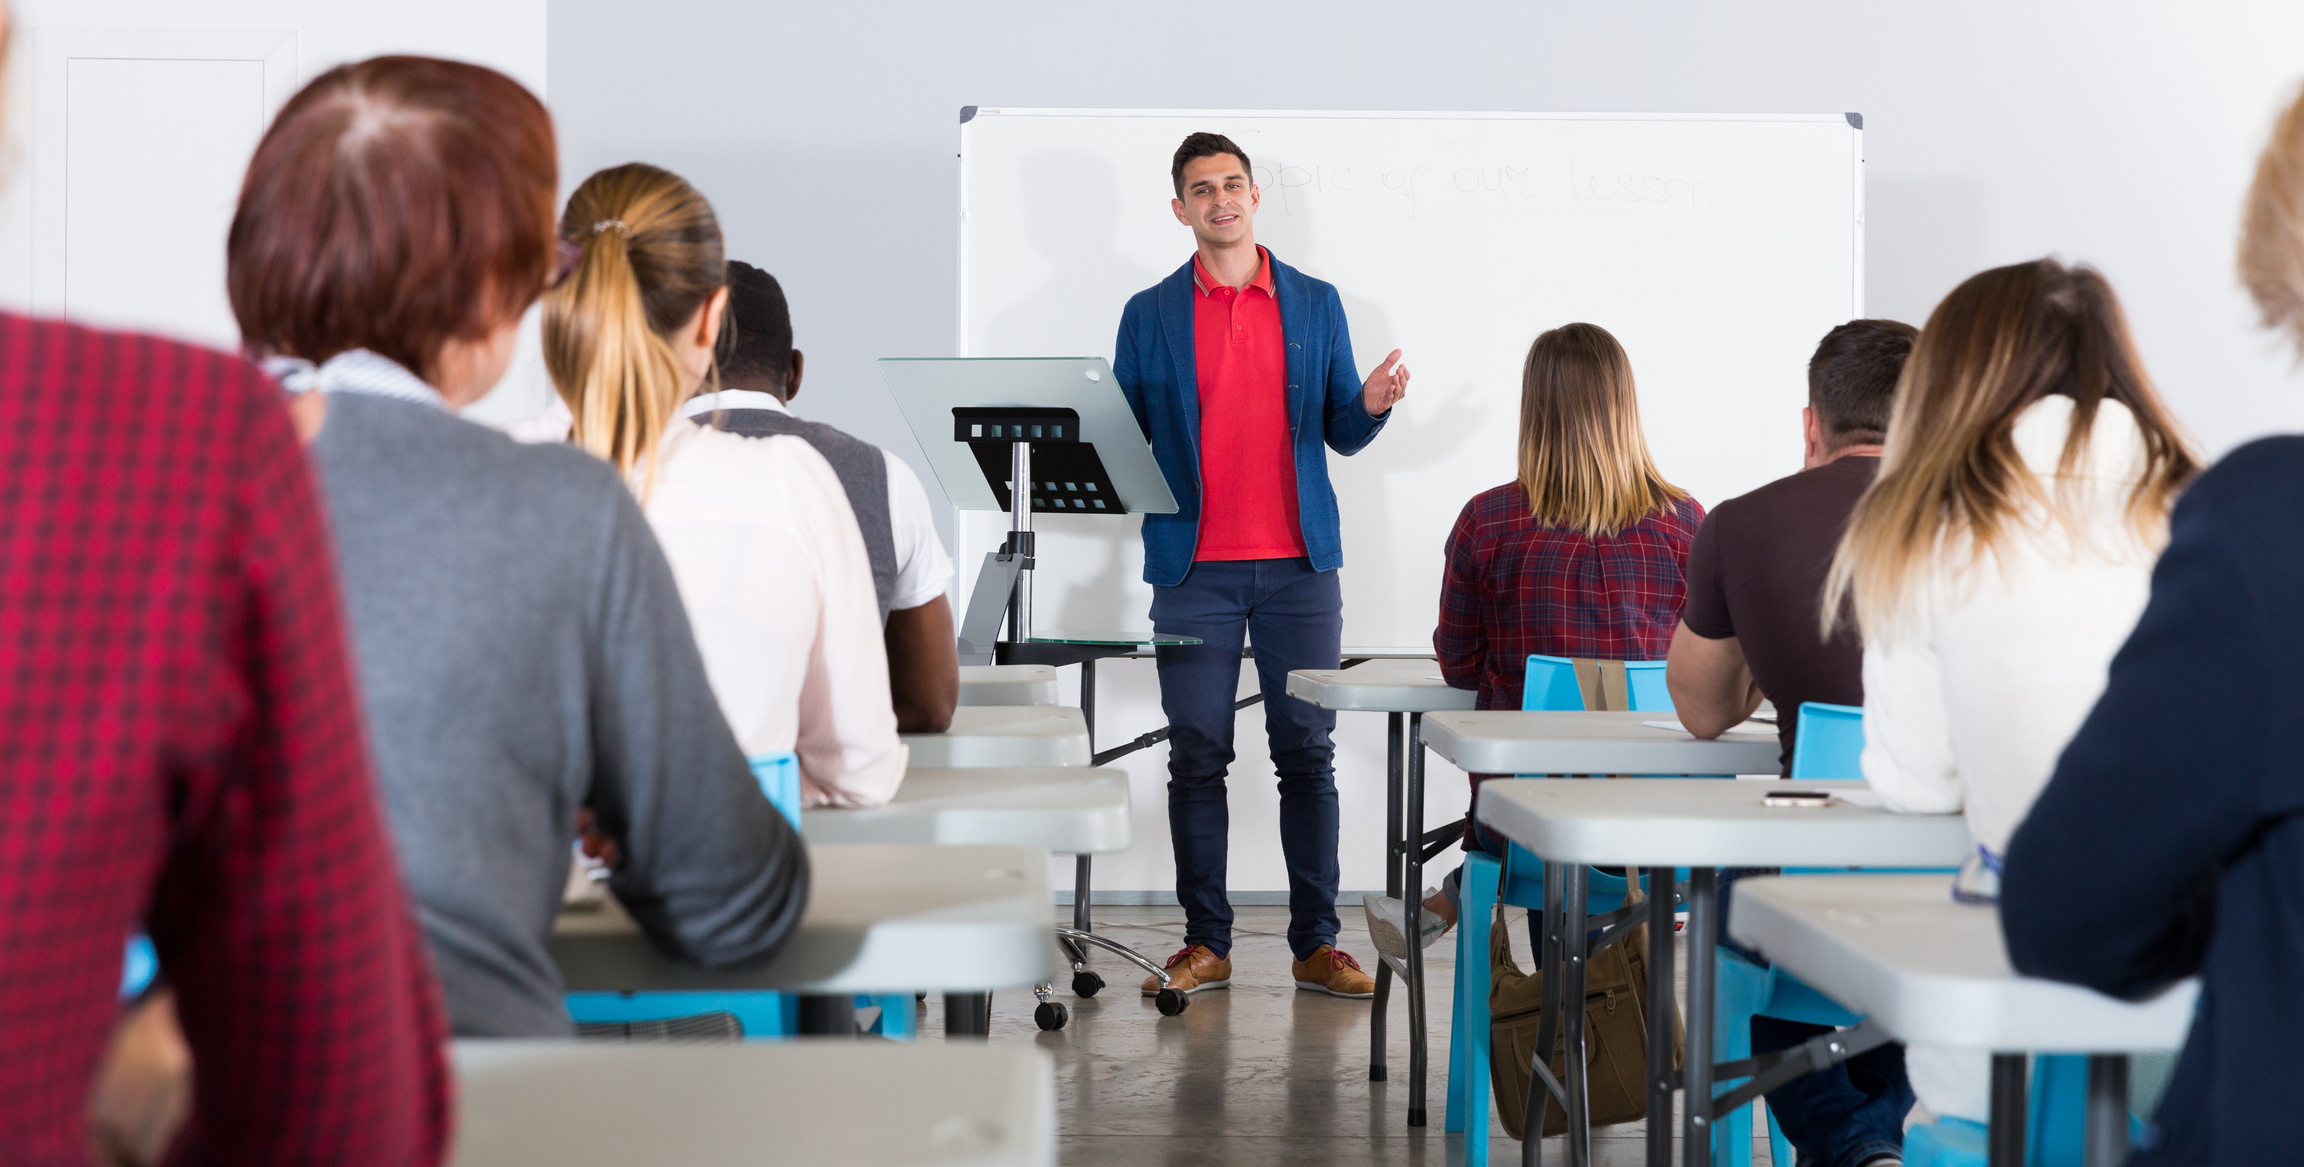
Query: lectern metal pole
{"type": "Point", "coordinates": [1020, 539]}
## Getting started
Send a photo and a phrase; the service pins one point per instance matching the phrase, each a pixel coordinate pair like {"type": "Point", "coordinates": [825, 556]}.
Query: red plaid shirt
{"type": "Point", "coordinates": [1517, 587]}
{"type": "Point", "coordinates": [181, 750]}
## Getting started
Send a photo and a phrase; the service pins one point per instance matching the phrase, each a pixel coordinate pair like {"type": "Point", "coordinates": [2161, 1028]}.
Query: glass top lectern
{"type": "Point", "coordinates": [1061, 426]}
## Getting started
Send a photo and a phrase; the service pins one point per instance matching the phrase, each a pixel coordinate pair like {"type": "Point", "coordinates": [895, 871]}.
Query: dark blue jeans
{"type": "Point", "coordinates": [1842, 1116]}
{"type": "Point", "coordinates": [1294, 616]}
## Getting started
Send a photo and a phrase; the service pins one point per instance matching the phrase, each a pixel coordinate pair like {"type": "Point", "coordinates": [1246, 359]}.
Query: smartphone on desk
{"type": "Point", "coordinates": [1807, 798]}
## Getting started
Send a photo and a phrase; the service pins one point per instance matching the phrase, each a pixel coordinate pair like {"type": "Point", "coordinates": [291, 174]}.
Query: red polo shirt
{"type": "Point", "coordinates": [1247, 454]}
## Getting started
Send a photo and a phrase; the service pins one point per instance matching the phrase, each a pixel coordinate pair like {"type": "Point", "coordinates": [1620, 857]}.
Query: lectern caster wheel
{"type": "Point", "coordinates": [1171, 1002]}
{"type": "Point", "coordinates": [1086, 984]}
{"type": "Point", "coordinates": [1051, 1016]}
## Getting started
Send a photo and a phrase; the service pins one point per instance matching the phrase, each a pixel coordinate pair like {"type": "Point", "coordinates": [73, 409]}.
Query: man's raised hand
{"type": "Point", "coordinates": [1385, 387]}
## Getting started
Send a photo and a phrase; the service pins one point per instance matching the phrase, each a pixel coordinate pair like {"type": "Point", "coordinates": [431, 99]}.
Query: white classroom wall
{"type": "Point", "coordinates": [1996, 130]}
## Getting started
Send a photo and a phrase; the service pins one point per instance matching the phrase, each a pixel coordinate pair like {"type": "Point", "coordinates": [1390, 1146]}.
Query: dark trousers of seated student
{"type": "Point", "coordinates": [1294, 616]}
{"type": "Point", "coordinates": [1841, 1117]}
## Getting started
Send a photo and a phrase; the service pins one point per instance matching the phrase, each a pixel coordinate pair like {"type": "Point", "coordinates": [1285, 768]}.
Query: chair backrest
{"type": "Point", "coordinates": [779, 776]}
{"type": "Point", "coordinates": [1645, 688]}
{"type": "Point", "coordinates": [1557, 684]}
{"type": "Point", "coordinates": [1550, 686]}
{"type": "Point", "coordinates": [1828, 742]}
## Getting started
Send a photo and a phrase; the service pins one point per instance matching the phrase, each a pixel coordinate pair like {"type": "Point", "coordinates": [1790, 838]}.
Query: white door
{"type": "Point", "coordinates": [130, 124]}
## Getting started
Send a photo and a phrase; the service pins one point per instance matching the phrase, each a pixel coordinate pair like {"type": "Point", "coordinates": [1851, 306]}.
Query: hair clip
{"type": "Point", "coordinates": [616, 225]}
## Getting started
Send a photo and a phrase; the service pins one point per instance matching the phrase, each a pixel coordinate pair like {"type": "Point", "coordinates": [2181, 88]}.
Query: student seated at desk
{"type": "Point", "coordinates": [1755, 578]}
{"type": "Point", "coordinates": [1999, 559]}
{"type": "Point", "coordinates": [1580, 556]}
{"type": "Point", "coordinates": [2168, 844]}
{"type": "Point", "coordinates": [760, 535]}
{"type": "Point", "coordinates": [521, 647]}
{"type": "Point", "coordinates": [759, 375]}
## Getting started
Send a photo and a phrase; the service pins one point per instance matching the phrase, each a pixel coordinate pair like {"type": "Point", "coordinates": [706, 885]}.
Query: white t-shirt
{"type": "Point", "coordinates": [769, 562]}
{"type": "Point", "coordinates": [923, 570]}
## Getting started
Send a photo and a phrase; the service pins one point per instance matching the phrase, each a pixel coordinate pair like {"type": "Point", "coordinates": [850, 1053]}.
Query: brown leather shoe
{"type": "Point", "coordinates": [1334, 973]}
{"type": "Point", "coordinates": [1196, 967]}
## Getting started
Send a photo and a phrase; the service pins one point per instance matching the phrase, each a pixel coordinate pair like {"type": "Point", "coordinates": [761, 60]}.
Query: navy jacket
{"type": "Point", "coordinates": [2168, 843]}
{"type": "Point", "coordinates": [1158, 369]}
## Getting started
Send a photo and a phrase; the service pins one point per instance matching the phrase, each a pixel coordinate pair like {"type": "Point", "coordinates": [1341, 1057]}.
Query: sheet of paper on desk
{"type": "Point", "coordinates": [1863, 796]}
{"type": "Point", "coordinates": [1747, 727]}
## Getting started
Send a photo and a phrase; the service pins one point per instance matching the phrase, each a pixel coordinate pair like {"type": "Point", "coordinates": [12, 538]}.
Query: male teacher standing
{"type": "Point", "coordinates": [1239, 367]}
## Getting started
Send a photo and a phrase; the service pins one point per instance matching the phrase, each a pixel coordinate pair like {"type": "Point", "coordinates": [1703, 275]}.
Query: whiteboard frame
{"type": "Point", "coordinates": [969, 114]}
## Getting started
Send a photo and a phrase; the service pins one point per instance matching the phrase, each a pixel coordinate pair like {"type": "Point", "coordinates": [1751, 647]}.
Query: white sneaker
{"type": "Point", "coordinates": [1388, 924]}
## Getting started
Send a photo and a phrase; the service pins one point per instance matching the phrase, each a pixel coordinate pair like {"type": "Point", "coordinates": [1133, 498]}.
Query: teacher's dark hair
{"type": "Point", "coordinates": [1205, 145]}
{"type": "Point", "coordinates": [394, 205]}
{"type": "Point", "coordinates": [1852, 379]}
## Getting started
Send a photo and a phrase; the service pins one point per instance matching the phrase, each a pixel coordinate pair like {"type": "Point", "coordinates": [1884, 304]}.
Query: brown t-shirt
{"type": "Point", "coordinates": [1756, 572]}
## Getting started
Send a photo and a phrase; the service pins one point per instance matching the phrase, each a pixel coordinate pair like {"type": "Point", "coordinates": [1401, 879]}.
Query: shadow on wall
{"type": "Point", "coordinates": [1922, 237]}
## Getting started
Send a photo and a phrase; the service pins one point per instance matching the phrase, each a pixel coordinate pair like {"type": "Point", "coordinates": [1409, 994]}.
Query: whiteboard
{"type": "Point", "coordinates": [1718, 249]}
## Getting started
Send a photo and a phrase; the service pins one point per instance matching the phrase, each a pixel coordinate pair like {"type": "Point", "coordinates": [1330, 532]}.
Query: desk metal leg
{"type": "Point", "coordinates": [1660, 954]}
{"type": "Point", "coordinates": [828, 1016]}
{"type": "Point", "coordinates": [1395, 746]}
{"type": "Point", "coordinates": [1088, 700]}
{"type": "Point", "coordinates": [1412, 876]}
{"type": "Point", "coordinates": [1083, 876]}
{"type": "Point", "coordinates": [1539, 1102]}
{"type": "Point", "coordinates": [967, 1015]}
{"type": "Point", "coordinates": [2106, 1136]}
{"type": "Point", "coordinates": [1572, 1016]}
{"type": "Point", "coordinates": [1703, 937]}
{"type": "Point", "coordinates": [2011, 1089]}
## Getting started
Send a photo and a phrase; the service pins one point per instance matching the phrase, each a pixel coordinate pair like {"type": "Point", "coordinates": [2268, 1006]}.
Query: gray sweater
{"type": "Point", "coordinates": [523, 653]}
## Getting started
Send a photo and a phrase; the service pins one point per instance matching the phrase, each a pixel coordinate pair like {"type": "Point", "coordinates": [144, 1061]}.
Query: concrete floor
{"type": "Point", "coordinates": [1257, 1073]}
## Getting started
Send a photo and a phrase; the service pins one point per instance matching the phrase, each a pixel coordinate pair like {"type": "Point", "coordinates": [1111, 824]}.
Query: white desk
{"type": "Point", "coordinates": [1380, 686]}
{"type": "Point", "coordinates": [1899, 950]}
{"type": "Point", "coordinates": [1508, 742]}
{"type": "Point", "coordinates": [1069, 810]}
{"type": "Point", "coordinates": [1403, 690]}
{"type": "Point", "coordinates": [882, 919]}
{"type": "Point", "coordinates": [601, 1104]}
{"type": "Point", "coordinates": [1007, 685]}
{"type": "Point", "coordinates": [1710, 822]}
{"type": "Point", "coordinates": [1702, 824]}
{"type": "Point", "coordinates": [1005, 735]}
{"type": "Point", "coordinates": [1066, 810]}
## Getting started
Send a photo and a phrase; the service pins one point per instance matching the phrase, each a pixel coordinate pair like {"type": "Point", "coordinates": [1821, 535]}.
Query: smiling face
{"type": "Point", "coordinates": [1218, 201]}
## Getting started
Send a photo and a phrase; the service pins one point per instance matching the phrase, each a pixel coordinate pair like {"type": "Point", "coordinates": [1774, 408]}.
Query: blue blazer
{"type": "Point", "coordinates": [1158, 368]}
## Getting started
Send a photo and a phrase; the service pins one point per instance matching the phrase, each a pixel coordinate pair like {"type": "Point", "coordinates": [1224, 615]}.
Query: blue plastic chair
{"type": "Point", "coordinates": [1517, 880]}
{"type": "Point", "coordinates": [138, 966]}
{"type": "Point", "coordinates": [763, 1015]}
{"type": "Point", "coordinates": [1644, 686]}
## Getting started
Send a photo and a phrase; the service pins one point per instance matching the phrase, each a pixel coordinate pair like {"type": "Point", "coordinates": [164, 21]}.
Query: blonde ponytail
{"type": "Point", "coordinates": [652, 256]}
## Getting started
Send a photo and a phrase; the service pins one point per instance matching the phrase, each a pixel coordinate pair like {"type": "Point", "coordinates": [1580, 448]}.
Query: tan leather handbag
{"type": "Point", "coordinates": [1615, 1030]}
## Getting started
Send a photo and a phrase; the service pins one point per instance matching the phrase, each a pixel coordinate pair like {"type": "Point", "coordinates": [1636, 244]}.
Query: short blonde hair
{"type": "Point", "coordinates": [1583, 458]}
{"type": "Point", "coordinates": [2272, 228]}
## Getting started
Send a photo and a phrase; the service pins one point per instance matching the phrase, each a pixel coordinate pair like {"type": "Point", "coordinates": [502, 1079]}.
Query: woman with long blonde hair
{"type": "Point", "coordinates": [1582, 554]}
{"type": "Point", "coordinates": [761, 538]}
{"type": "Point", "coordinates": [2000, 558]}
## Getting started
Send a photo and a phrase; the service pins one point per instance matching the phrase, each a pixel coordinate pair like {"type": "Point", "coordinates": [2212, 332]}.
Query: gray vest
{"type": "Point", "coordinates": [860, 466]}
